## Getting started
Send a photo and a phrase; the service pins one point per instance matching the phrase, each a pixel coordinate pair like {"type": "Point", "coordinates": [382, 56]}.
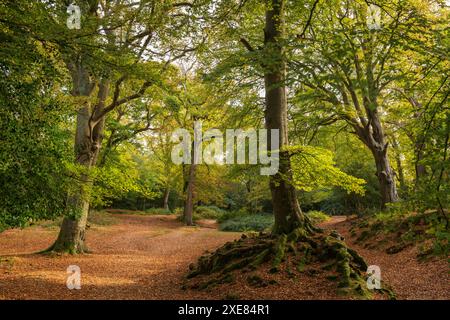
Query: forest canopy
{"type": "Point", "coordinates": [90, 103]}
{"type": "Point", "coordinates": [169, 147]}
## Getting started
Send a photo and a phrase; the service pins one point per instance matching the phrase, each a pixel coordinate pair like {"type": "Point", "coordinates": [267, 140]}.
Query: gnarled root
{"type": "Point", "coordinates": [278, 252]}
{"type": "Point", "coordinates": [60, 248]}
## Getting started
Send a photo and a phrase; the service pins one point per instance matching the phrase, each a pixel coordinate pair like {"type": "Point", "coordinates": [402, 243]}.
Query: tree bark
{"type": "Point", "coordinates": [401, 174]}
{"type": "Point", "coordinates": [373, 137]}
{"type": "Point", "coordinates": [419, 143]}
{"type": "Point", "coordinates": [386, 177]}
{"type": "Point", "coordinates": [189, 201]}
{"type": "Point", "coordinates": [166, 198]}
{"type": "Point", "coordinates": [88, 139]}
{"type": "Point", "coordinates": [420, 169]}
{"type": "Point", "coordinates": [286, 208]}
{"type": "Point", "coordinates": [398, 160]}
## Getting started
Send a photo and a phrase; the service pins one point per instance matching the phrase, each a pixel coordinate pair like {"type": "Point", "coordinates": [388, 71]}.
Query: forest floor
{"type": "Point", "coordinates": [147, 257]}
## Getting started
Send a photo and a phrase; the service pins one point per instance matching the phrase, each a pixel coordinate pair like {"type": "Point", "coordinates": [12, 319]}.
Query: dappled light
{"type": "Point", "coordinates": [217, 149]}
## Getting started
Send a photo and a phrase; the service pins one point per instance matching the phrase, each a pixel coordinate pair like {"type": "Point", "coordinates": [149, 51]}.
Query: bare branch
{"type": "Point", "coordinates": [308, 22]}
{"type": "Point", "coordinates": [247, 45]}
{"type": "Point", "coordinates": [117, 102]}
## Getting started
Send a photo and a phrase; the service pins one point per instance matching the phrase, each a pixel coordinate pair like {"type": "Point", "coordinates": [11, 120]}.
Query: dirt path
{"type": "Point", "coordinates": [147, 257]}
{"type": "Point", "coordinates": [139, 257]}
{"type": "Point", "coordinates": [409, 278]}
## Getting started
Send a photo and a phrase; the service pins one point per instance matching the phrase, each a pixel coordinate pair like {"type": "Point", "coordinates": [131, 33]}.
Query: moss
{"type": "Point", "coordinates": [61, 248]}
{"type": "Point", "coordinates": [332, 277]}
{"type": "Point", "coordinates": [358, 259]}
{"type": "Point", "coordinates": [329, 266]}
{"type": "Point", "coordinates": [405, 228]}
{"type": "Point", "coordinates": [301, 266]}
{"type": "Point", "coordinates": [227, 278]}
{"type": "Point", "coordinates": [260, 258]}
{"type": "Point", "coordinates": [397, 248]}
{"type": "Point", "coordinates": [343, 267]}
{"type": "Point", "coordinates": [298, 249]}
{"type": "Point", "coordinates": [279, 250]}
{"type": "Point", "coordinates": [237, 265]}
{"type": "Point", "coordinates": [363, 236]}
{"type": "Point", "coordinates": [297, 234]}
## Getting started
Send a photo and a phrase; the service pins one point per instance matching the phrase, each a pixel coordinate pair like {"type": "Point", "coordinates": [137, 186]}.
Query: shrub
{"type": "Point", "coordinates": [248, 222]}
{"type": "Point", "coordinates": [317, 216]}
{"type": "Point", "coordinates": [232, 214]}
{"type": "Point", "coordinates": [208, 212]}
{"type": "Point", "coordinates": [95, 218]}
{"type": "Point", "coordinates": [178, 211]}
{"type": "Point", "coordinates": [100, 218]}
{"type": "Point", "coordinates": [157, 211]}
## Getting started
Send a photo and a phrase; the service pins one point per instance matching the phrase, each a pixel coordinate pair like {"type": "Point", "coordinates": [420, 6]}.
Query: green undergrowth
{"type": "Point", "coordinates": [149, 211]}
{"type": "Point", "coordinates": [208, 212]}
{"type": "Point", "coordinates": [95, 218]}
{"type": "Point", "coordinates": [248, 222]}
{"type": "Point", "coordinates": [101, 218]}
{"type": "Point", "coordinates": [240, 221]}
{"type": "Point", "coordinates": [317, 216]}
{"type": "Point", "coordinates": [203, 212]}
{"type": "Point", "coordinates": [157, 211]}
{"type": "Point", "coordinates": [395, 230]}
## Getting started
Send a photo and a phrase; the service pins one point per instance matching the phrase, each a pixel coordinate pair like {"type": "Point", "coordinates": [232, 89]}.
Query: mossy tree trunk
{"type": "Point", "coordinates": [386, 176]}
{"type": "Point", "coordinates": [293, 240]}
{"type": "Point", "coordinates": [399, 163]}
{"type": "Point", "coordinates": [88, 140]}
{"type": "Point", "coordinates": [166, 198]}
{"type": "Point", "coordinates": [372, 135]}
{"type": "Point", "coordinates": [91, 121]}
{"type": "Point", "coordinates": [189, 200]}
{"type": "Point", "coordinates": [287, 212]}
{"type": "Point", "coordinates": [189, 184]}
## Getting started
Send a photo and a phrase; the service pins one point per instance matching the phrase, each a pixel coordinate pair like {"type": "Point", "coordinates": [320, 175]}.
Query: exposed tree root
{"type": "Point", "coordinates": [66, 248]}
{"type": "Point", "coordinates": [291, 253]}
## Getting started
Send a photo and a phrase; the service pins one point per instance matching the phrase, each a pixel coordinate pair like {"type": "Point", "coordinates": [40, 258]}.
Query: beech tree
{"type": "Point", "coordinates": [143, 34]}
{"type": "Point", "coordinates": [341, 95]}
{"type": "Point", "coordinates": [293, 231]}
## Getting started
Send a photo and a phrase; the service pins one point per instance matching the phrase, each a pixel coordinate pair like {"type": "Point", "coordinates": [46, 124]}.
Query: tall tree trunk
{"type": "Point", "coordinates": [88, 139]}
{"type": "Point", "coordinates": [379, 148]}
{"type": "Point", "coordinates": [386, 177]}
{"type": "Point", "coordinates": [189, 201]}
{"type": "Point", "coordinates": [419, 143]}
{"type": "Point", "coordinates": [373, 137]}
{"type": "Point", "coordinates": [287, 212]}
{"type": "Point", "coordinates": [418, 166]}
{"type": "Point", "coordinates": [401, 174]}
{"type": "Point", "coordinates": [166, 198]}
{"type": "Point", "coordinates": [398, 160]}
